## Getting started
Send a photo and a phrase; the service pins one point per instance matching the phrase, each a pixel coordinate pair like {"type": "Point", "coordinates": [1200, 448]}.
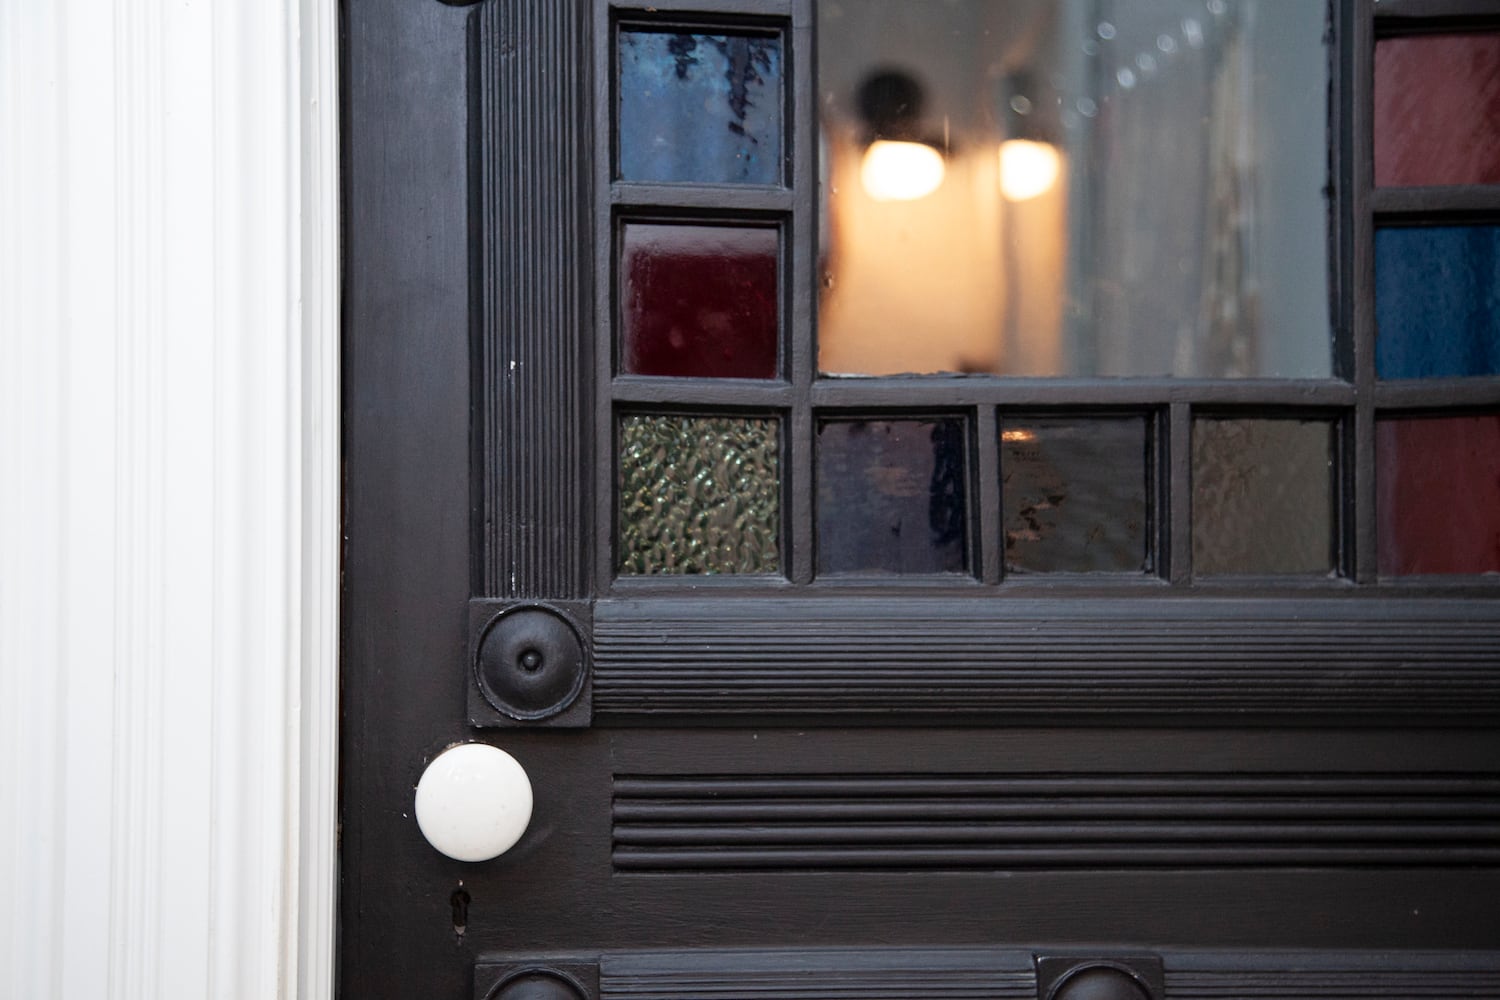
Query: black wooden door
{"type": "Point", "coordinates": [782, 787]}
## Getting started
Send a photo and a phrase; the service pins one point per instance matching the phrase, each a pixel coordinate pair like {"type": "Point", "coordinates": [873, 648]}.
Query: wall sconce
{"type": "Point", "coordinates": [898, 164]}
{"type": "Point", "coordinates": [1030, 162]}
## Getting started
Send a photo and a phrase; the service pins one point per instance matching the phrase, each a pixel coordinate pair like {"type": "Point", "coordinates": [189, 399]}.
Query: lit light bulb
{"type": "Point", "coordinates": [901, 171]}
{"type": "Point", "coordinates": [1028, 168]}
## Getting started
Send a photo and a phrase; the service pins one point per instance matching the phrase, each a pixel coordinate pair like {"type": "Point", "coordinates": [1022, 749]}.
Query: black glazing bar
{"type": "Point", "coordinates": [729, 393]}
{"type": "Point", "coordinates": [1457, 203]}
{"type": "Point", "coordinates": [1432, 394]}
{"type": "Point", "coordinates": [978, 390]}
{"type": "Point", "coordinates": [726, 8]}
{"type": "Point", "coordinates": [799, 320]}
{"type": "Point", "coordinates": [1355, 43]}
{"type": "Point", "coordinates": [991, 526]}
{"type": "Point", "coordinates": [604, 297]}
{"type": "Point", "coordinates": [1178, 448]}
{"type": "Point", "coordinates": [668, 200]}
{"type": "Point", "coordinates": [1407, 16]}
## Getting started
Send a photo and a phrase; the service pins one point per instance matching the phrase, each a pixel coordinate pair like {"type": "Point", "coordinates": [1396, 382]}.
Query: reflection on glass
{"type": "Point", "coordinates": [700, 108]}
{"type": "Point", "coordinates": [699, 495]}
{"type": "Point", "coordinates": [1129, 187]}
{"type": "Point", "coordinates": [891, 496]}
{"type": "Point", "coordinates": [1262, 496]}
{"type": "Point", "coordinates": [698, 300]}
{"type": "Point", "coordinates": [1437, 301]}
{"type": "Point", "coordinates": [1074, 493]}
{"type": "Point", "coordinates": [1439, 494]}
{"type": "Point", "coordinates": [1437, 105]}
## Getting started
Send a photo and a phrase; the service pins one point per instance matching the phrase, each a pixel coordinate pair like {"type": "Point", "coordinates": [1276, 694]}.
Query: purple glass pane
{"type": "Point", "coordinates": [1074, 494]}
{"type": "Point", "coordinates": [892, 496]}
{"type": "Point", "coordinates": [1437, 110]}
{"type": "Point", "coordinates": [700, 108]}
{"type": "Point", "coordinates": [1438, 505]}
{"type": "Point", "coordinates": [699, 300]}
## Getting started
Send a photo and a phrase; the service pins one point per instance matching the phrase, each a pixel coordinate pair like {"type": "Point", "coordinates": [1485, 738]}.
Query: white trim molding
{"type": "Point", "coordinates": [169, 512]}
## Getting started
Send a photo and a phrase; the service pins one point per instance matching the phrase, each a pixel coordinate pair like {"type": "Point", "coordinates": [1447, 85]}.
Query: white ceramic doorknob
{"type": "Point", "coordinates": [473, 802]}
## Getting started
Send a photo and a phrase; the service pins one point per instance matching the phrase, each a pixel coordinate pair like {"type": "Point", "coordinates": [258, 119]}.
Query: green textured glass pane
{"type": "Point", "coordinates": [1262, 496]}
{"type": "Point", "coordinates": [699, 495]}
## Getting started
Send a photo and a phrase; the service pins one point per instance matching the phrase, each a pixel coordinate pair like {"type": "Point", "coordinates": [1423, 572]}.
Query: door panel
{"type": "Point", "coordinates": [797, 790]}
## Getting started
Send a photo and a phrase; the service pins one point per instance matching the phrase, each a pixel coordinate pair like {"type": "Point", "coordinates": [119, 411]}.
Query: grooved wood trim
{"type": "Point", "coordinates": [885, 974]}
{"type": "Point", "coordinates": [168, 499]}
{"type": "Point", "coordinates": [886, 657]}
{"type": "Point", "coordinates": [532, 140]}
{"type": "Point", "coordinates": [1007, 822]}
{"type": "Point", "coordinates": [996, 973]}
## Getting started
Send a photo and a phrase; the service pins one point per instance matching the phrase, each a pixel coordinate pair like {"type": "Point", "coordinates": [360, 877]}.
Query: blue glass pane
{"type": "Point", "coordinates": [1437, 301]}
{"type": "Point", "coordinates": [700, 108]}
{"type": "Point", "coordinates": [891, 496]}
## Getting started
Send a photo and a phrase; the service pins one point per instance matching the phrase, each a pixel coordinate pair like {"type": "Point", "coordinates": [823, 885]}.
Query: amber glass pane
{"type": "Point", "coordinates": [892, 496]}
{"type": "Point", "coordinates": [1075, 495]}
{"type": "Point", "coordinates": [701, 108]}
{"type": "Point", "coordinates": [699, 495]}
{"type": "Point", "coordinates": [1262, 496]}
{"type": "Point", "coordinates": [1439, 494]}
{"type": "Point", "coordinates": [699, 300]}
{"type": "Point", "coordinates": [1437, 110]}
{"type": "Point", "coordinates": [1122, 187]}
{"type": "Point", "coordinates": [1437, 301]}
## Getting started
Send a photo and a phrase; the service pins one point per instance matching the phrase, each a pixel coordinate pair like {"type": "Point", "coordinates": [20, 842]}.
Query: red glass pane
{"type": "Point", "coordinates": [1439, 494]}
{"type": "Point", "coordinates": [1437, 110]}
{"type": "Point", "coordinates": [699, 300]}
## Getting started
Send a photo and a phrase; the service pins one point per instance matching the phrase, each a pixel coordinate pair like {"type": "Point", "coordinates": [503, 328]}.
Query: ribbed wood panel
{"type": "Point", "coordinates": [872, 974]}
{"type": "Point", "coordinates": [1302, 985]}
{"type": "Point", "coordinates": [533, 142]}
{"type": "Point", "coordinates": [1054, 821]}
{"type": "Point", "coordinates": [884, 657]}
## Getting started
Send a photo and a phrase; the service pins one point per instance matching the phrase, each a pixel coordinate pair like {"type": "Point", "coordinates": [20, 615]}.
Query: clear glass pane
{"type": "Point", "coordinates": [1075, 494]}
{"type": "Point", "coordinates": [699, 300]}
{"type": "Point", "coordinates": [699, 495]}
{"type": "Point", "coordinates": [700, 108]}
{"type": "Point", "coordinates": [1439, 494]}
{"type": "Point", "coordinates": [1437, 106]}
{"type": "Point", "coordinates": [1262, 496]}
{"type": "Point", "coordinates": [1074, 187]}
{"type": "Point", "coordinates": [892, 496]}
{"type": "Point", "coordinates": [1437, 301]}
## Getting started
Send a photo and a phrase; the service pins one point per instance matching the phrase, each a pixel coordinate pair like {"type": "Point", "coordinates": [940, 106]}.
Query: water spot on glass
{"type": "Point", "coordinates": [1193, 32]}
{"type": "Point", "coordinates": [1217, 7]}
{"type": "Point", "coordinates": [1126, 76]}
{"type": "Point", "coordinates": [1146, 63]}
{"type": "Point", "coordinates": [1166, 43]}
{"type": "Point", "coordinates": [1090, 47]}
{"type": "Point", "coordinates": [1106, 30]}
{"type": "Point", "coordinates": [1087, 107]}
{"type": "Point", "coordinates": [1020, 105]}
{"type": "Point", "coordinates": [1070, 119]}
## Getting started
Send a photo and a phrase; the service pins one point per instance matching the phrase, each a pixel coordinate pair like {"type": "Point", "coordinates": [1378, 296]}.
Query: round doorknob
{"type": "Point", "coordinates": [1099, 982]}
{"type": "Point", "coordinates": [473, 802]}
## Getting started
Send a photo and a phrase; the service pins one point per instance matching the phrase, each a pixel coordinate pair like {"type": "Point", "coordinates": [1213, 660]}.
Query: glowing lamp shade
{"type": "Point", "coordinates": [1028, 168]}
{"type": "Point", "coordinates": [901, 171]}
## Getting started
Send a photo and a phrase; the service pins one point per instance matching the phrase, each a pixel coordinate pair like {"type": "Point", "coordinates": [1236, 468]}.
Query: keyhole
{"type": "Point", "coordinates": [460, 903]}
{"type": "Point", "coordinates": [530, 660]}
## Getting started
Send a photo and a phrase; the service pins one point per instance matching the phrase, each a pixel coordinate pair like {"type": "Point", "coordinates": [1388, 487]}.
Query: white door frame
{"type": "Point", "coordinates": [169, 511]}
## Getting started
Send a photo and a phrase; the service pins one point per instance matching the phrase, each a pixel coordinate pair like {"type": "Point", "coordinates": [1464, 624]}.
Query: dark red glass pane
{"type": "Point", "coordinates": [699, 300]}
{"type": "Point", "coordinates": [891, 496]}
{"type": "Point", "coordinates": [1439, 494]}
{"type": "Point", "coordinates": [1437, 110]}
